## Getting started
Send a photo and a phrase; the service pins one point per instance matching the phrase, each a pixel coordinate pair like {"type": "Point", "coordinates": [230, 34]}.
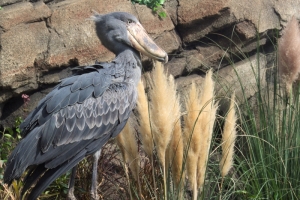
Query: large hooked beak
{"type": "Point", "coordinates": [144, 44]}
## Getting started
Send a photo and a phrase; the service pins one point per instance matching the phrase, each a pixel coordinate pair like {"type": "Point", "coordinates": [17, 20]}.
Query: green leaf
{"type": "Point", "coordinates": [8, 135]}
{"type": "Point", "coordinates": [8, 143]}
{"type": "Point", "coordinates": [162, 14]}
{"type": "Point", "coordinates": [10, 131]}
{"type": "Point", "coordinates": [241, 192]}
{"type": "Point", "coordinates": [64, 185]}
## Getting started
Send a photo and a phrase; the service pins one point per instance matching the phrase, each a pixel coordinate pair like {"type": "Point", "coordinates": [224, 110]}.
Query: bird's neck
{"type": "Point", "coordinates": [129, 60]}
{"type": "Point", "coordinates": [130, 53]}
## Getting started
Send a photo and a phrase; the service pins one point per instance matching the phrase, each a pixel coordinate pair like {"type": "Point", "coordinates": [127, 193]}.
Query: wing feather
{"type": "Point", "coordinates": [86, 83]}
{"type": "Point", "coordinates": [80, 123]}
{"type": "Point", "coordinates": [59, 120]}
{"type": "Point", "coordinates": [65, 102]}
{"type": "Point", "coordinates": [70, 123]}
{"type": "Point", "coordinates": [85, 93]}
{"type": "Point", "coordinates": [78, 110]}
{"type": "Point", "coordinates": [59, 131]}
{"type": "Point", "coordinates": [68, 81]}
{"type": "Point", "coordinates": [76, 85]}
{"type": "Point", "coordinates": [70, 111]}
{"type": "Point", "coordinates": [54, 102]}
{"type": "Point", "coordinates": [74, 96]}
{"type": "Point", "coordinates": [46, 138]}
{"type": "Point", "coordinates": [98, 121]}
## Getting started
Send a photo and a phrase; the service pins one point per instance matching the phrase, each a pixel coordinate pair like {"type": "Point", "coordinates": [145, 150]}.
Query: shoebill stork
{"type": "Point", "coordinates": [85, 110]}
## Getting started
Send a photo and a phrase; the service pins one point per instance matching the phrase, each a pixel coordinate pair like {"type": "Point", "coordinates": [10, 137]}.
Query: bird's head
{"type": "Point", "coordinates": [119, 31]}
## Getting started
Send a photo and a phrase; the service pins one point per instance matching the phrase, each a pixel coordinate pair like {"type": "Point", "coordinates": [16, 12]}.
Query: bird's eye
{"type": "Point", "coordinates": [129, 21]}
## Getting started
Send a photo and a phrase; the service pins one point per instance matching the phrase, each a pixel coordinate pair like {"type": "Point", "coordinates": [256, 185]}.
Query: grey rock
{"type": "Point", "coordinates": [242, 78]}
{"type": "Point", "coordinates": [24, 12]}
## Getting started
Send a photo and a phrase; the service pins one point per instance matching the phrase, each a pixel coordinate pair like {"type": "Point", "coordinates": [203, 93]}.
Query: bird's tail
{"type": "Point", "coordinates": [48, 176]}
{"type": "Point", "coordinates": [21, 157]}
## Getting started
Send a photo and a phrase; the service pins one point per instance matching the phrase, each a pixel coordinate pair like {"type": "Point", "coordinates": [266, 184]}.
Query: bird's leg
{"type": "Point", "coordinates": [94, 194]}
{"type": "Point", "coordinates": [71, 195]}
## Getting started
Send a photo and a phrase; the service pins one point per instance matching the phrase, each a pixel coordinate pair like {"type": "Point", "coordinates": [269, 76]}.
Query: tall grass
{"type": "Point", "coordinates": [270, 142]}
{"type": "Point", "coordinates": [270, 148]}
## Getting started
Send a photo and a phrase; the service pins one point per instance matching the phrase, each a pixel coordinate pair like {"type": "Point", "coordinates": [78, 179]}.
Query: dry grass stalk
{"type": "Point", "coordinates": [7, 193]}
{"type": "Point", "coordinates": [204, 152]}
{"type": "Point", "coordinates": [128, 146]}
{"type": "Point", "coordinates": [163, 118]}
{"type": "Point", "coordinates": [192, 135]}
{"type": "Point", "coordinates": [145, 126]}
{"type": "Point", "coordinates": [163, 98]}
{"type": "Point", "coordinates": [144, 121]}
{"type": "Point", "coordinates": [175, 155]}
{"type": "Point", "coordinates": [288, 53]}
{"type": "Point", "coordinates": [207, 119]}
{"type": "Point", "coordinates": [228, 139]}
{"type": "Point", "coordinates": [175, 149]}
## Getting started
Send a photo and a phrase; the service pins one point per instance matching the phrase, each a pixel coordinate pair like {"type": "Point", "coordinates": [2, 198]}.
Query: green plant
{"type": "Point", "coordinates": [270, 147]}
{"type": "Point", "coordinates": [9, 139]}
{"type": "Point", "coordinates": [155, 5]}
{"type": "Point", "coordinates": [58, 188]}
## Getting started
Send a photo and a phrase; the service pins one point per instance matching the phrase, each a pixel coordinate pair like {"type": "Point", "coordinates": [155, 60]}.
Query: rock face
{"type": "Point", "coordinates": [41, 41]}
{"type": "Point", "coordinates": [231, 78]}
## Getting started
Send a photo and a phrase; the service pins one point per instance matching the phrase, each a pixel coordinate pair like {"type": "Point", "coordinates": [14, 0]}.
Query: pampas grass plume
{"type": "Point", "coordinates": [163, 98]}
{"type": "Point", "coordinates": [128, 146]}
{"type": "Point", "coordinates": [175, 149]}
{"type": "Point", "coordinates": [192, 134]}
{"type": "Point", "coordinates": [145, 126]}
{"type": "Point", "coordinates": [207, 119]}
{"type": "Point", "coordinates": [144, 121]}
{"type": "Point", "coordinates": [228, 139]}
{"type": "Point", "coordinates": [163, 102]}
{"type": "Point", "coordinates": [288, 53]}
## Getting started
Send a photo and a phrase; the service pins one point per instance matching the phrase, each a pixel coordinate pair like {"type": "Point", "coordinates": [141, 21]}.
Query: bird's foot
{"type": "Point", "coordinates": [71, 196]}
{"type": "Point", "coordinates": [94, 196]}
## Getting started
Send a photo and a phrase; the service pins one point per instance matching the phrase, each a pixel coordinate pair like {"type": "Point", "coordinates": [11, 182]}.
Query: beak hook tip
{"type": "Point", "coordinates": [166, 58]}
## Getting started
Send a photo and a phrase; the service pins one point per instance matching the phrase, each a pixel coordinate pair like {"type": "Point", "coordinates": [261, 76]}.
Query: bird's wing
{"type": "Point", "coordinates": [73, 128]}
{"type": "Point", "coordinates": [87, 82]}
{"type": "Point", "coordinates": [81, 107]}
{"type": "Point", "coordinates": [90, 119]}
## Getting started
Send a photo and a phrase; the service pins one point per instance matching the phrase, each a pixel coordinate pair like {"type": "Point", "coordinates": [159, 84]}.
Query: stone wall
{"type": "Point", "coordinates": [41, 40]}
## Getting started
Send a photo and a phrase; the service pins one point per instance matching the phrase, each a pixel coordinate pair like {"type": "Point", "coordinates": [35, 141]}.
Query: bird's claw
{"type": "Point", "coordinates": [94, 196]}
{"type": "Point", "coordinates": [71, 197]}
